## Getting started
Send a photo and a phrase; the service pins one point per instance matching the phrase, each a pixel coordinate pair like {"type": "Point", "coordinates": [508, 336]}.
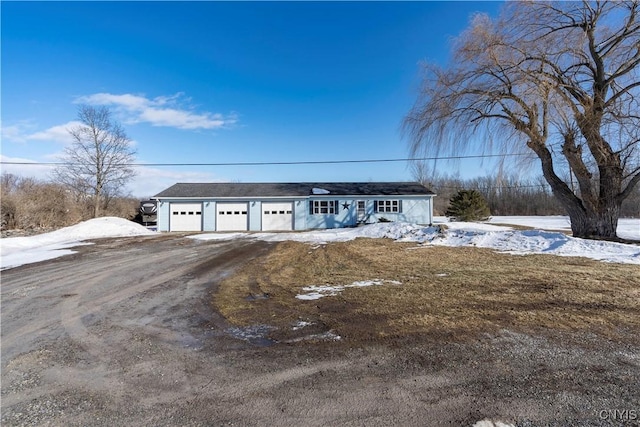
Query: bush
{"type": "Point", "coordinates": [27, 203]}
{"type": "Point", "coordinates": [468, 205]}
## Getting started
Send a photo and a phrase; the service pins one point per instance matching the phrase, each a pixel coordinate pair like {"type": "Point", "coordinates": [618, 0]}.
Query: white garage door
{"type": "Point", "coordinates": [277, 216]}
{"type": "Point", "coordinates": [185, 217]}
{"type": "Point", "coordinates": [232, 217]}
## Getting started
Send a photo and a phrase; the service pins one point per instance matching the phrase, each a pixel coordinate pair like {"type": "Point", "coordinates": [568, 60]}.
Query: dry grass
{"type": "Point", "coordinates": [453, 291]}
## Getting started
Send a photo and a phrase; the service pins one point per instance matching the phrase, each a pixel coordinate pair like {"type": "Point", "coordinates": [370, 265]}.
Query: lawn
{"type": "Point", "coordinates": [450, 291]}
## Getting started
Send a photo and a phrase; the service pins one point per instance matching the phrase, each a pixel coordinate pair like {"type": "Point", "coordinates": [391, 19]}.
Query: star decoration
{"type": "Point", "coordinates": [345, 205]}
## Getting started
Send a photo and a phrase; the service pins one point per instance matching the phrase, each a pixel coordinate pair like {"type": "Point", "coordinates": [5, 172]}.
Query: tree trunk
{"type": "Point", "coordinates": [96, 205]}
{"type": "Point", "coordinates": [594, 225]}
{"type": "Point", "coordinates": [597, 222]}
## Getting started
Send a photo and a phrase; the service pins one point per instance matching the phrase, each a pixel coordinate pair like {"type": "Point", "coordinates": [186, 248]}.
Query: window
{"type": "Point", "coordinates": [384, 206]}
{"type": "Point", "coordinates": [323, 207]}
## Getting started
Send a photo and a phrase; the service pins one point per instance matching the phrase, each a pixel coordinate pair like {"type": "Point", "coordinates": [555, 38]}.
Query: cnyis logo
{"type": "Point", "coordinates": [619, 414]}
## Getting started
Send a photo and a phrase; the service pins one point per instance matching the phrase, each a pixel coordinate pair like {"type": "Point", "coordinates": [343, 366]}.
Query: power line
{"type": "Point", "coordinates": [306, 162]}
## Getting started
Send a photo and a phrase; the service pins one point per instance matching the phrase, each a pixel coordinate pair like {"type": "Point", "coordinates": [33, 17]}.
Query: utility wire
{"type": "Point", "coordinates": [308, 162]}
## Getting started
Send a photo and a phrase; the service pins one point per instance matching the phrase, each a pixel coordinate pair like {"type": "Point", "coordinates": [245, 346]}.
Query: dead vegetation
{"type": "Point", "coordinates": [452, 291]}
{"type": "Point", "coordinates": [39, 206]}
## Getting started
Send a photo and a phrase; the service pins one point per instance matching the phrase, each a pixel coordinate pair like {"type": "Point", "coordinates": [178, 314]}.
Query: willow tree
{"type": "Point", "coordinates": [559, 80]}
{"type": "Point", "coordinates": [98, 162]}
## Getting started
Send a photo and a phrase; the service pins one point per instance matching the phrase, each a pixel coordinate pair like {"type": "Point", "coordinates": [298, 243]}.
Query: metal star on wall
{"type": "Point", "coordinates": [345, 205]}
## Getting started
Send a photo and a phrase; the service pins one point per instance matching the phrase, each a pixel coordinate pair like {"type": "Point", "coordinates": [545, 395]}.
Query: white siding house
{"type": "Point", "coordinates": [290, 206]}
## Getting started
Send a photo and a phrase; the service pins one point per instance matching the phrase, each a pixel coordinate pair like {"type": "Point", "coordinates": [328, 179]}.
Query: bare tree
{"type": "Point", "coordinates": [98, 163]}
{"type": "Point", "coordinates": [559, 78]}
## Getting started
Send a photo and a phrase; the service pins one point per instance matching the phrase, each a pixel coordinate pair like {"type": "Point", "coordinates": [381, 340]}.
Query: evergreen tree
{"type": "Point", "coordinates": [468, 205]}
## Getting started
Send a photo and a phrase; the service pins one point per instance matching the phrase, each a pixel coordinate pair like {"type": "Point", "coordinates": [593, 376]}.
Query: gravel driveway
{"type": "Point", "coordinates": [122, 333]}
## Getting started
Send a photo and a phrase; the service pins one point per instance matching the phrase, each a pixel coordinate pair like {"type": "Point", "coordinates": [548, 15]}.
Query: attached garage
{"type": "Point", "coordinates": [232, 217]}
{"type": "Point", "coordinates": [185, 217]}
{"type": "Point", "coordinates": [277, 216]}
{"type": "Point", "coordinates": [276, 206]}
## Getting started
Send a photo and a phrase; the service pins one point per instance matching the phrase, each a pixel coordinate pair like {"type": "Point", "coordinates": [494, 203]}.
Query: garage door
{"type": "Point", "coordinates": [185, 217]}
{"type": "Point", "coordinates": [232, 217]}
{"type": "Point", "coordinates": [277, 216]}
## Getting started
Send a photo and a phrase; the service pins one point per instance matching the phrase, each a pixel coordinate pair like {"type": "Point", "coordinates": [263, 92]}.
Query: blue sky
{"type": "Point", "coordinates": [220, 82]}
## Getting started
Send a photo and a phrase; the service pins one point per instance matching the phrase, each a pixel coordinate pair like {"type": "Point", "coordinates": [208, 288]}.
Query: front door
{"type": "Point", "coordinates": [362, 210]}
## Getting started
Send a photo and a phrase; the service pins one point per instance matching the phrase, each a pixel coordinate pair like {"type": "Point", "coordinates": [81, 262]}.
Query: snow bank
{"type": "Point", "coordinates": [485, 235]}
{"type": "Point", "coordinates": [628, 228]}
{"type": "Point", "coordinates": [16, 251]}
{"type": "Point", "coordinates": [541, 242]}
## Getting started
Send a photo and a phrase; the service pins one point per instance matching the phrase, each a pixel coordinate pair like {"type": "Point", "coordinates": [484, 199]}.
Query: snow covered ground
{"type": "Point", "coordinates": [545, 238]}
{"type": "Point", "coordinates": [627, 228]}
{"type": "Point", "coordinates": [16, 251]}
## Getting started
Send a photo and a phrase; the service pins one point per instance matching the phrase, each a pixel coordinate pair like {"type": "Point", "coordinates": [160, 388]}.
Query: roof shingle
{"type": "Point", "coordinates": [302, 189]}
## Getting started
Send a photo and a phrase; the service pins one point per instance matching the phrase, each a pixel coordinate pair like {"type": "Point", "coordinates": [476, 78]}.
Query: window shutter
{"type": "Point", "coordinates": [400, 206]}
{"type": "Point", "coordinates": [310, 207]}
{"type": "Point", "coordinates": [375, 206]}
{"type": "Point", "coordinates": [336, 207]}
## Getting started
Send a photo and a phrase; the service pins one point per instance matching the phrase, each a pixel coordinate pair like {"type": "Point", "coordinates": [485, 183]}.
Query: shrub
{"type": "Point", "coordinates": [468, 205]}
{"type": "Point", "coordinates": [27, 203]}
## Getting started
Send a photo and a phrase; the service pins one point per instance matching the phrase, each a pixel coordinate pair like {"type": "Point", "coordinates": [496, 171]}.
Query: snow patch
{"type": "Point", "coordinates": [301, 324]}
{"type": "Point", "coordinates": [319, 191]}
{"type": "Point", "coordinates": [317, 292]}
{"type": "Point", "coordinates": [17, 251]}
{"type": "Point", "coordinates": [543, 239]}
{"type": "Point", "coordinates": [326, 336]}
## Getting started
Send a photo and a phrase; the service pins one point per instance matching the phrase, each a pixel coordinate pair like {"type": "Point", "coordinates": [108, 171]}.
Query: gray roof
{"type": "Point", "coordinates": [302, 189]}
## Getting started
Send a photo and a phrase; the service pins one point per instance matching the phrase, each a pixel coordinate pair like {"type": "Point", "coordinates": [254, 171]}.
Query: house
{"type": "Point", "coordinates": [290, 206]}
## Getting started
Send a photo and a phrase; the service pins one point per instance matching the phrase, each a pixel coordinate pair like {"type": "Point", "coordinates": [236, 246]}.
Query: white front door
{"type": "Point", "coordinates": [277, 216]}
{"type": "Point", "coordinates": [185, 217]}
{"type": "Point", "coordinates": [362, 210]}
{"type": "Point", "coordinates": [232, 217]}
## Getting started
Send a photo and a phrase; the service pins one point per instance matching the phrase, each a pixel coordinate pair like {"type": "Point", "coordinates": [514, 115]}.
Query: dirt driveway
{"type": "Point", "coordinates": [122, 333]}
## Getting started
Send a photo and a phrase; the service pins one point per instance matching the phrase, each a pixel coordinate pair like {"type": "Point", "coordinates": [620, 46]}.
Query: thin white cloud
{"type": "Point", "coordinates": [27, 168]}
{"type": "Point", "coordinates": [22, 133]}
{"type": "Point", "coordinates": [59, 133]}
{"type": "Point", "coordinates": [147, 182]}
{"type": "Point", "coordinates": [168, 111]}
{"type": "Point", "coordinates": [150, 181]}
{"type": "Point", "coordinates": [127, 101]}
{"type": "Point", "coordinates": [14, 133]}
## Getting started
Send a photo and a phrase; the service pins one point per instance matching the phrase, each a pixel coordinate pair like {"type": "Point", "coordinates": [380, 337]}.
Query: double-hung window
{"type": "Point", "coordinates": [388, 206]}
{"type": "Point", "coordinates": [323, 207]}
